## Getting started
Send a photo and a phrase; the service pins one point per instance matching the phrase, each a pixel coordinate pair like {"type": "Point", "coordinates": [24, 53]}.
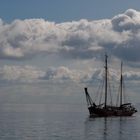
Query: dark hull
{"type": "Point", "coordinates": [108, 112]}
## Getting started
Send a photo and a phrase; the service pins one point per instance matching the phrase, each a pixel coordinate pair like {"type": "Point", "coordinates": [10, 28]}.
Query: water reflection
{"type": "Point", "coordinates": [105, 128]}
{"type": "Point", "coordinates": [116, 128]}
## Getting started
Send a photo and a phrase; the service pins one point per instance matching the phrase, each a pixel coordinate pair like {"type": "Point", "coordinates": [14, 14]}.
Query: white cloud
{"type": "Point", "coordinates": [130, 20]}
{"type": "Point", "coordinates": [20, 73]}
{"type": "Point", "coordinates": [33, 74]}
{"type": "Point", "coordinates": [60, 74]}
{"type": "Point", "coordinates": [63, 73]}
{"type": "Point", "coordinates": [131, 75]}
{"type": "Point", "coordinates": [82, 39]}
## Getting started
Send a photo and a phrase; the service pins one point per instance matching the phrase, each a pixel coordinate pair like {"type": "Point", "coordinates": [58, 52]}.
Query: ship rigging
{"type": "Point", "coordinates": [105, 110]}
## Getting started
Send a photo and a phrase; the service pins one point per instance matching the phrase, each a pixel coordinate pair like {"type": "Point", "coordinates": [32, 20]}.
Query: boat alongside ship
{"type": "Point", "coordinates": [105, 110]}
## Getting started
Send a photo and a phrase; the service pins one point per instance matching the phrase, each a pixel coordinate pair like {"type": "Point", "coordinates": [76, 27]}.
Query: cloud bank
{"type": "Point", "coordinates": [24, 39]}
{"type": "Point", "coordinates": [25, 74]}
{"type": "Point", "coordinates": [82, 40]}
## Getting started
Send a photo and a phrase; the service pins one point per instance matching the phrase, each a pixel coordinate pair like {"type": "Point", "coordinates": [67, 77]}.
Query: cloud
{"type": "Point", "coordinates": [83, 39]}
{"type": "Point", "coordinates": [25, 74]}
{"type": "Point", "coordinates": [20, 73]}
{"type": "Point", "coordinates": [63, 73]}
{"type": "Point", "coordinates": [131, 75]}
{"type": "Point", "coordinates": [130, 20]}
{"type": "Point", "coordinates": [24, 39]}
{"type": "Point", "coordinates": [114, 75]}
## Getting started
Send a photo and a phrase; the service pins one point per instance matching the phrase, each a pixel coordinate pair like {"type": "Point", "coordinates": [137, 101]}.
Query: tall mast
{"type": "Point", "coordinates": [106, 80]}
{"type": "Point", "coordinates": [121, 82]}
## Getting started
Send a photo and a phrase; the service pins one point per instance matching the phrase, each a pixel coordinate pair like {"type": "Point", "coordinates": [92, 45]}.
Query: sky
{"type": "Point", "coordinates": [65, 41]}
{"type": "Point", "coordinates": [64, 10]}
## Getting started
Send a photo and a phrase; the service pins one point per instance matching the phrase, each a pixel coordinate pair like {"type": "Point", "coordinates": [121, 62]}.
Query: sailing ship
{"type": "Point", "coordinates": [105, 110]}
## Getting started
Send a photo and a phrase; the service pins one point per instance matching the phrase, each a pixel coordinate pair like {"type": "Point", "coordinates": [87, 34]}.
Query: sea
{"type": "Point", "coordinates": [33, 113]}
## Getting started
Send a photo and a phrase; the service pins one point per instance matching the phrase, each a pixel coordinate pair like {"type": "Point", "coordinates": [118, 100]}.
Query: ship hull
{"type": "Point", "coordinates": [108, 112]}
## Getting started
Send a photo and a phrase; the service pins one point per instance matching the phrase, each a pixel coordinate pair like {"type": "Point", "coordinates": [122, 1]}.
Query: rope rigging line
{"type": "Point", "coordinates": [117, 102]}
{"type": "Point", "coordinates": [101, 94]}
{"type": "Point", "coordinates": [97, 93]}
{"type": "Point", "coordinates": [110, 88]}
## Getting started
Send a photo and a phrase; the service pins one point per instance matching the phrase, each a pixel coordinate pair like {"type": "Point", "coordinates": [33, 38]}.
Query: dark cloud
{"type": "Point", "coordinates": [128, 50]}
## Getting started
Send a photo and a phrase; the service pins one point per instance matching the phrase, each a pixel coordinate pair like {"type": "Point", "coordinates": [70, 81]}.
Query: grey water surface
{"type": "Point", "coordinates": [33, 113]}
{"type": "Point", "coordinates": [35, 122]}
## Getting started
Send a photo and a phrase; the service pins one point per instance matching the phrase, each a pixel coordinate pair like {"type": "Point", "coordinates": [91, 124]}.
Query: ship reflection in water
{"type": "Point", "coordinates": [108, 128]}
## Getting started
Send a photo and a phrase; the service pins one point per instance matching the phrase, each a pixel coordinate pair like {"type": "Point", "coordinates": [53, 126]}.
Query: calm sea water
{"type": "Point", "coordinates": [63, 122]}
{"type": "Point", "coordinates": [58, 112]}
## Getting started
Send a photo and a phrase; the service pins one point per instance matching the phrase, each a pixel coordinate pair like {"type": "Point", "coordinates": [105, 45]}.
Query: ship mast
{"type": "Point", "coordinates": [105, 80]}
{"type": "Point", "coordinates": [121, 84]}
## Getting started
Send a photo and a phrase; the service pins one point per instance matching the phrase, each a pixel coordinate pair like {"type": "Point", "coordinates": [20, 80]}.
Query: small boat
{"type": "Point", "coordinates": [105, 110]}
